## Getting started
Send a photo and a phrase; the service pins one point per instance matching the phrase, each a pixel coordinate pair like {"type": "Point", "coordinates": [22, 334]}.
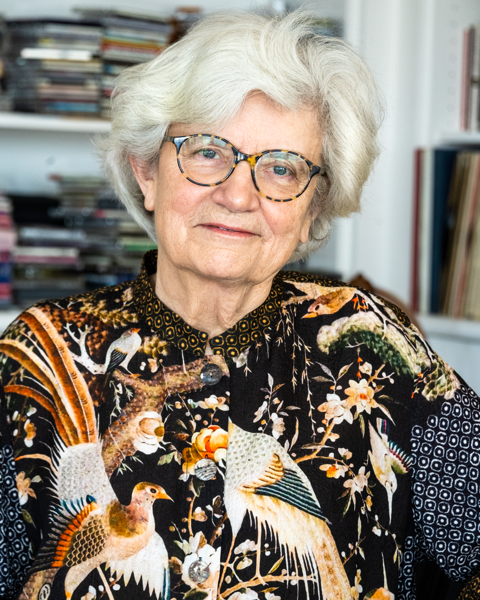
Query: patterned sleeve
{"type": "Point", "coordinates": [445, 484]}
{"type": "Point", "coordinates": [14, 544]}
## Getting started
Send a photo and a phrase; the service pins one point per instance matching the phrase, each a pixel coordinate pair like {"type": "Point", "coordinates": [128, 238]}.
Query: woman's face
{"type": "Point", "coordinates": [230, 232]}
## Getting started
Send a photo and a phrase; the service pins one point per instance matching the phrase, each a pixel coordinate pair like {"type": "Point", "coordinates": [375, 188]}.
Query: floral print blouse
{"type": "Point", "coordinates": [317, 454]}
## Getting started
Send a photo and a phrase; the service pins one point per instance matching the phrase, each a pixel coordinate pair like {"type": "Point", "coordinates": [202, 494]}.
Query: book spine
{"type": "Point", "coordinates": [442, 178]}
{"type": "Point", "coordinates": [425, 264]}
{"type": "Point", "coordinates": [416, 229]}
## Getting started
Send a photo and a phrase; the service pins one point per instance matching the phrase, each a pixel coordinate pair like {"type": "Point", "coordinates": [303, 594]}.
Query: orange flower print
{"type": "Point", "coordinates": [31, 432]}
{"type": "Point", "coordinates": [334, 471]}
{"type": "Point", "coordinates": [360, 396]}
{"type": "Point", "coordinates": [210, 443]}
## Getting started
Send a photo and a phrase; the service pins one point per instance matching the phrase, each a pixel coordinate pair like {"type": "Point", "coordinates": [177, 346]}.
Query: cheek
{"type": "Point", "coordinates": [286, 221]}
{"type": "Point", "coordinates": [178, 206]}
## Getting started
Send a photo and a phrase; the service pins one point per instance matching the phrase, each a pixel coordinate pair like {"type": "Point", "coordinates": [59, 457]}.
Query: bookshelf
{"type": "Point", "coordinates": [414, 48]}
{"type": "Point", "coordinates": [460, 138]}
{"type": "Point", "coordinates": [33, 122]}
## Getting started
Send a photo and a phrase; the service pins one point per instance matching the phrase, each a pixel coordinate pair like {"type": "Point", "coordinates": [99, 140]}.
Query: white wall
{"type": "Point", "coordinates": [380, 245]}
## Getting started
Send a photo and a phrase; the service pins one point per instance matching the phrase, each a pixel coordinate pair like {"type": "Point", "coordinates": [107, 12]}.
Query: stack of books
{"type": "Point", "coordinates": [47, 256]}
{"type": "Point", "coordinates": [5, 100]}
{"type": "Point", "coordinates": [7, 245]}
{"type": "Point", "coordinates": [470, 101]}
{"type": "Point", "coordinates": [112, 244]}
{"type": "Point", "coordinates": [128, 38]}
{"type": "Point", "coordinates": [446, 253]}
{"type": "Point", "coordinates": [81, 240]}
{"type": "Point", "coordinates": [54, 67]}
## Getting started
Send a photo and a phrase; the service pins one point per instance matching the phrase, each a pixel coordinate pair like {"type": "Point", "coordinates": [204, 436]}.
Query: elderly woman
{"type": "Point", "coordinates": [220, 428]}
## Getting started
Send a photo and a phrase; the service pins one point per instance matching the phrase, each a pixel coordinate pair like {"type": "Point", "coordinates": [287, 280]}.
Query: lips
{"type": "Point", "coordinates": [227, 229]}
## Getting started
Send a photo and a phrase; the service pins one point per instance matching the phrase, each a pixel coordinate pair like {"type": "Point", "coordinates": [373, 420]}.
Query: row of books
{"type": "Point", "coordinates": [7, 244]}
{"type": "Point", "coordinates": [69, 66]}
{"type": "Point", "coordinates": [446, 249]}
{"type": "Point", "coordinates": [78, 241]}
{"type": "Point", "coordinates": [470, 98]}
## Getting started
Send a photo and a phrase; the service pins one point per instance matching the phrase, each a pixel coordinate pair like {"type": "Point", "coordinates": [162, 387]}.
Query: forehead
{"type": "Point", "coordinates": [262, 125]}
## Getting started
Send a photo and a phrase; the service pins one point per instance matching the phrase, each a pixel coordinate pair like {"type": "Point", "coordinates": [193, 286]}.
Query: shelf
{"type": "Point", "coordinates": [37, 122]}
{"type": "Point", "coordinates": [460, 138]}
{"type": "Point", "coordinates": [448, 328]}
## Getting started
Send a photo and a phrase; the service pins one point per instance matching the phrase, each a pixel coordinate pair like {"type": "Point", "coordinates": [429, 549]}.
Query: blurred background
{"type": "Point", "coordinates": [418, 237]}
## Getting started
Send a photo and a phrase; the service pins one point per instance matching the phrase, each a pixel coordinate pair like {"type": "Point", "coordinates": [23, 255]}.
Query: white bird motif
{"type": "Point", "coordinates": [261, 478]}
{"type": "Point", "coordinates": [122, 350]}
{"type": "Point", "coordinates": [387, 459]}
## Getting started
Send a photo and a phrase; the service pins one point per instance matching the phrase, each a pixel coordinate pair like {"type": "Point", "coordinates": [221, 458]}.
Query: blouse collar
{"type": "Point", "coordinates": [253, 327]}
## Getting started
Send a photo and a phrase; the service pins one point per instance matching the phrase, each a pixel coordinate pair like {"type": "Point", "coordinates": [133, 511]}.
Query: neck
{"type": "Point", "coordinates": [208, 304]}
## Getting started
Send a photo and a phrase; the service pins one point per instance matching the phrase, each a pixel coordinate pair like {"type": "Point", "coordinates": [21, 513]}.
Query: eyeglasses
{"type": "Point", "coordinates": [208, 160]}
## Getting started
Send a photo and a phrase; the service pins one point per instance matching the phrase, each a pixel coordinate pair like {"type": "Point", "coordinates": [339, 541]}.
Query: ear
{"type": "Point", "coordinates": [309, 219]}
{"type": "Point", "coordinates": [145, 181]}
{"type": "Point", "coordinates": [314, 212]}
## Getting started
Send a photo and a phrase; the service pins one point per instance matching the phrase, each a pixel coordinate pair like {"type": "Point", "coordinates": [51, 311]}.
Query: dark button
{"type": "Point", "coordinates": [199, 571]}
{"type": "Point", "coordinates": [205, 469]}
{"type": "Point", "coordinates": [211, 374]}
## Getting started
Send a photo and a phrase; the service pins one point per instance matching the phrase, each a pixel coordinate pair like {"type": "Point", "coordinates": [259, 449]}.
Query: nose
{"type": "Point", "coordinates": [238, 192]}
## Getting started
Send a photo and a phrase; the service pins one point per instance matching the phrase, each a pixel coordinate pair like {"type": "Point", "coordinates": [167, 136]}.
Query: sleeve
{"type": "Point", "coordinates": [446, 474]}
{"type": "Point", "coordinates": [15, 557]}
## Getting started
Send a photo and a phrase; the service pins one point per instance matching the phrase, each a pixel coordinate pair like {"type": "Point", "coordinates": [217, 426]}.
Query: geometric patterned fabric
{"type": "Point", "coordinates": [14, 545]}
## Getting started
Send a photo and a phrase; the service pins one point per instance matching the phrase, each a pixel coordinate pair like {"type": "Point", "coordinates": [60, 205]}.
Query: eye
{"type": "Point", "coordinates": [153, 491]}
{"type": "Point", "coordinates": [280, 170]}
{"type": "Point", "coordinates": [208, 153]}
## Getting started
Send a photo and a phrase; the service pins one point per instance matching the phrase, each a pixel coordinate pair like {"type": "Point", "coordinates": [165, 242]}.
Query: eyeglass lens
{"type": "Point", "coordinates": [209, 160]}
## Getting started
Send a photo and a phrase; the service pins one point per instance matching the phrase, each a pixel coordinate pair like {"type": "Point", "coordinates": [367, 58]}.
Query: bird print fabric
{"type": "Point", "coordinates": [312, 456]}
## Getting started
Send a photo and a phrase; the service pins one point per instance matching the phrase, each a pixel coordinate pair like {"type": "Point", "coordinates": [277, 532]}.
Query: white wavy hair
{"type": "Point", "coordinates": [205, 78]}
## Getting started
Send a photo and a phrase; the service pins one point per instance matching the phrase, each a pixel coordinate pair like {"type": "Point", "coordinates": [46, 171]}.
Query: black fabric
{"type": "Point", "coordinates": [336, 442]}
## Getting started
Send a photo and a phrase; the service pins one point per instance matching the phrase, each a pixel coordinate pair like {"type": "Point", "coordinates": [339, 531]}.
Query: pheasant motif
{"type": "Point", "coordinates": [387, 459]}
{"type": "Point", "coordinates": [262, 479]}
{"type": "Point", "coordinates": [101, 530]}
{"type": "Point", "coordinates": [89, 526]}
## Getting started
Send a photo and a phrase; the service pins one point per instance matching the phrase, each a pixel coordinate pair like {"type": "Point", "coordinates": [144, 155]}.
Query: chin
{"type": "Point", "coordinates": [228, 270]}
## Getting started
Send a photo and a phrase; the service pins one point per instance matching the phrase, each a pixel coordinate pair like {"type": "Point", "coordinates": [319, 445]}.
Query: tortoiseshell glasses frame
{"type": "Point", "coordinates": [252, 160]}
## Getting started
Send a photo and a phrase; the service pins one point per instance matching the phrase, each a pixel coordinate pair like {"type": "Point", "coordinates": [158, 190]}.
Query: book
{"type": "Point", "coordinates": [425, 228]}
{"type": "Point", "coordinates": [471, 300]}
{"type": "Point", "coordinates": [417, 178]}
{"type": "Point", "coordinates": [443, 164]}
{"type": "Point", "coordinates": [55, 66]}
{"type": "Point", "coordinates": [45, 254]}
{"type": "Point", "coordinates": [455, 207]}
{"type": "Point", "coordinates": [446, 244]}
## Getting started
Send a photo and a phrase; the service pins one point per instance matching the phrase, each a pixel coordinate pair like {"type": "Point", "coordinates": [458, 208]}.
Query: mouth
{"type": "Point", "coordinates": [227, 230]}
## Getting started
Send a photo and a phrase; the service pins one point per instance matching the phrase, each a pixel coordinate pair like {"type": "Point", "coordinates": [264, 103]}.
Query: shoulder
{"type": "Point", "coordinates": [107, 306]}
{"type": "Point", "coordinates": [340, 317]}
{"type": "Point", "coordinates": [329, 296]}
